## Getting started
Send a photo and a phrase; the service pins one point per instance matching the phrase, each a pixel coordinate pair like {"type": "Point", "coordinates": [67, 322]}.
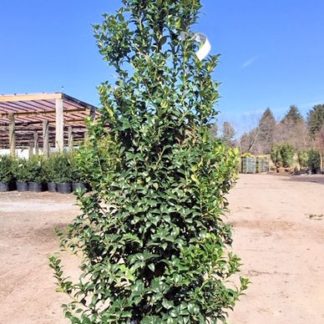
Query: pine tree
{"type": "Point", "coordinates": [315, 120]}
{"type": "Point", "coordinates": [266, 131]}
{"type": "Point", "coordinates": [292, 130]}
{"type": "Point", "coordinates": [151, 233]}
{"type": "Point", "coordinates": [293, 116]}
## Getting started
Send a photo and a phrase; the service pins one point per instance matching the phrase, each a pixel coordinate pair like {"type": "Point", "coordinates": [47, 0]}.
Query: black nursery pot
{"type": "Point", "coordinates": [4, 186]}
{"type": "Point", "coordinates": [64, 188]}
{"type": "Point", "coordinates": [51, 186]}
{"type": "Point", "coordinates": [34, 186]}
{"type": "Point", "coordinates": [78, 185]}
{"type": "Point", "coordinates": [22, 186]}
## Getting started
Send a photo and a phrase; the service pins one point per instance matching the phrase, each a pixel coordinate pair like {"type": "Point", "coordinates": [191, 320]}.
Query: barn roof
{"type": "Point", "coordinates": [31, 110]}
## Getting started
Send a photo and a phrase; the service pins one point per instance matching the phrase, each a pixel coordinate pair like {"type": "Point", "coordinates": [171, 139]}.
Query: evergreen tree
{"type": "Point", "coordinates": [315, 120]}
{"type": "Point", "coordinates": [292, 130]}
{"type": "Point", "coordinates": [293, 116]}
{"type": "Point", "coordinates": [266, 130]}
{"type": "Point", "coordinates": [151, 234]}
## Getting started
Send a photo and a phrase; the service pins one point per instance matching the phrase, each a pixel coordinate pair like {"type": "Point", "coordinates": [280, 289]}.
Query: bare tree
{"type": "Point", "coordinates": [248, 141]}
{"type": "Point", "coordinates": [319, 145]}
{"type": "Point", "coordinates": [295, 135]}
{"type": "Point", "coordinates": [228, 133]}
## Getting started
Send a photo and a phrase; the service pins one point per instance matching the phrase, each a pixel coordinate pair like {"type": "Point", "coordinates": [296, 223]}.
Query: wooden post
{"type": "Point", "coordinates": [46, 138]}
{"type": "Point", "coordinates": [12, 135]}
{"type": "Point", "coordinates": [31, 149]}
{"type": "Point", "coordinates": [59, 125]}
{"type": "Point", "coordinates": [36, 144]}
{"type": "Point", "coordinates": [70, 138]}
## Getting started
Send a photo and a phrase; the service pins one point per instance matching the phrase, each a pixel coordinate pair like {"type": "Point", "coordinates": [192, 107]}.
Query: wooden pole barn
{"type": "Point", "coordinates": [45, 121]}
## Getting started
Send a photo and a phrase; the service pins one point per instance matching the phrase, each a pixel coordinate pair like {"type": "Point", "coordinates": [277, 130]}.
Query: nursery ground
{"type": "Point", "coordinates": [278, 232]}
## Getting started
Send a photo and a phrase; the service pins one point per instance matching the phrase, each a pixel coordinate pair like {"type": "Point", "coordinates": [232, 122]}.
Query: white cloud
{"type": "Point", "coordinates": [249, 62]}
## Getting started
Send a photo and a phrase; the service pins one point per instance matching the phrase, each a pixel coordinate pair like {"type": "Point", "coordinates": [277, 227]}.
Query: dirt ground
{"type": "Point", "coordinates": [278, 232]}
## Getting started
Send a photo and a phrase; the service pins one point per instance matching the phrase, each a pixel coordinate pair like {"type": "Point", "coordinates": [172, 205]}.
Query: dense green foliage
{"type": "Point", "coordinates": [35, 169]}
{"type": "Point", "coordinates": [20, 171]}
{"type": "Point", "coordinates": [314, 161]}
{"type": "Point", "coordinates": [152, 237]}
{"type": "Point", "coordinates": [303, 158]}
{"type": "Point", "coordinates": [51, 168]}
{"type": "Point", "coordinates": [316, 119]}
{"type": "Point", "coordinates": [5, 169]}
{"type": "Point", "coordinates": [282, 155]}
{"type": "Point", "coordinates": [59, 168]}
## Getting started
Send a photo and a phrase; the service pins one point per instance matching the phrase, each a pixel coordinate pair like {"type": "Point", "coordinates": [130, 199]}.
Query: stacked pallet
{"type": "Point", "coordinates": [248, 164]}
{"type": "Point", "coordinates": [262, 164]}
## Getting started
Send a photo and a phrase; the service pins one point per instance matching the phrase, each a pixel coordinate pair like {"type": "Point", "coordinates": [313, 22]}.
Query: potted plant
{"type": "Point", "coordinates": [50, 172]}
{"type": "Point", "coordinates": [5, 172]}
{"type": "Point", "coordinates": [35, 171]}
{"type": "Point", "coordinates": [78, 182]}
{"type": "Point", "coordinates": [63, 176]}
{"type": "Point", "coordinates": [20, 173]}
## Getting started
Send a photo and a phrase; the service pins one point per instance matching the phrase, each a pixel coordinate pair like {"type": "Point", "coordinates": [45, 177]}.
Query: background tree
{"type": "Point", "coordinates": [293, 116]}
{"type": "Point", "coordinates": [248, 141]}
{"type": "Point", "coordinates": [303, 158]}
{"type": "Point", "coordinates": [315, 120]}
{"type": "Point", "coordinates": [266, 130]}
{"type": "Point", "coordinates": [314, 161]}
{"type": "Point", "coordinates": [152, 237]}
{"type": "Point", "coordinates": [282, 155]}
{"type": "Point", "coordinates": [228, 133]}
{"type": "Point", "coordinates": [319, 145]}
{"type": "Point", "coordinates": [261, 138]}
{"type": "Point", "coordinates": [214, 130]}
{"type": "Point", "coordinates": [292, 130]}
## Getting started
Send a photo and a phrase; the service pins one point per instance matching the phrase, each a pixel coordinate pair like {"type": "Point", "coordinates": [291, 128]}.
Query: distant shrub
{"type": "Point", "coordinates": [303, 159]}
{"type": "Point", "coordinates": [282, 155]}
{"type": "Point", "coordinates": [314, 161]}
{"type": "Point", "coordinates": [20, 170]}
{"type": "Point", "coordinates": [35, 169]}
{"type": "Point", "coordinates": [5, 169]}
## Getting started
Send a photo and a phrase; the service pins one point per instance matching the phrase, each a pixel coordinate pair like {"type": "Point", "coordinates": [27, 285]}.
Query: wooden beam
{"type": "Point", "coordinates": [12, 135]}
{"type": "Point", "coordinates": [59, 123]}
{"type": "Point", "coordinates": [46, 138]}
{"type": "Point", "coordinates": [40, 112]}
{"type": "Point", "coordinates": [77, 101]}
{"type": "Point", "coordinates": [29, 97]}
{"type": "Point", "coordinates": [52, 122]}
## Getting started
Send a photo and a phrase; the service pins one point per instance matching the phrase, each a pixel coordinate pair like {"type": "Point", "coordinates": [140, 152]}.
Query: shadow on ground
{"type": "Point", "coordinates": [315, 178]}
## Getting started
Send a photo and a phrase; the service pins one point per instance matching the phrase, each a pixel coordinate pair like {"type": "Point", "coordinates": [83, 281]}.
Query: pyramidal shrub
{"type": "Point", "coordinates": [151, 235]}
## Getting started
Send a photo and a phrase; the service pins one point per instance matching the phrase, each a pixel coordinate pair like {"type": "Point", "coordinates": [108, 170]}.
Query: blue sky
{"type": "Point", "coordinates": [272, 52]}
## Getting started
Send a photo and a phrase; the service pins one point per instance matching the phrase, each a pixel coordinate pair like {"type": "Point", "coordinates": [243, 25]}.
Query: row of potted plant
{"type": "Point", "coordinates": [60, 172]}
